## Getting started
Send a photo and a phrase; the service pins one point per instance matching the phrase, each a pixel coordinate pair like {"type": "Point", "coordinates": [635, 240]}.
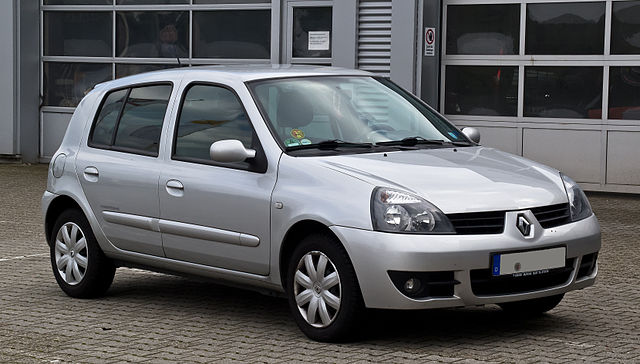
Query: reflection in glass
{"type": "Point", "coordinates": [625, 27]}
{"type": "Point", "coordinates": [78, 2]}
{"type": "Point", "coordinates": [150, 2]}
{"type": "Point", "coordinates": [310, 19]}
{"type": "Point", "coordinates": [123, 70]}
{"type": "Point", "coordinates": [141, 120]}
{"type": "Point", "coordinates": [565, 28]}
{"type": "Point", "coordinates": [65, 84]}
{"type": "Point", "coordinates": [483, 29]}
{"type": "Point", "coordinates": [230, 1]}
{"type": "Point", "coordinates": [563, 92]}
{"type": "Point", "coordinates": [152, 34]}
{"type": "Point", "coordinates": [67, 34]}
{"type": "Point", "coordinates": [106, 122]}
{"type": "Point", "coordinates": [210, 114]}
{"type": "Point", "coordinates": [232, 34]}
{"type": "Point", "coordinates": [481, 90]}
{"type": "Point", "coordinates": [624, 93]}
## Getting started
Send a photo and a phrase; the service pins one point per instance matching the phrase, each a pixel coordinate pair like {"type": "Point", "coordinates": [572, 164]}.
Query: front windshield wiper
{"type": "Point", "coordinates": [331, 144]}
{"type": "Point", "coordinates": [411, 141]}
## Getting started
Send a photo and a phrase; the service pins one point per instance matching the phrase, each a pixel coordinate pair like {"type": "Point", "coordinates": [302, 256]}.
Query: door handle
{"type": "Point", "coordinates": [91, 174]}
{"type": "Point", "coordinates": [175, 188]}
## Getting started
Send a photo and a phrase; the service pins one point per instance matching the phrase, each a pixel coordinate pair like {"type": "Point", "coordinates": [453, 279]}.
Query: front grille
{"type": "Point", "coordinates": [587, 265]}
{"type": "Point", "coordinates": [484, 284]}
{"type": "Point", "coordinates": [552, 216]}
{"type": "Point", "coordinates": [432, 284]}
{"type": "Point", "coordinates": [478, 222]}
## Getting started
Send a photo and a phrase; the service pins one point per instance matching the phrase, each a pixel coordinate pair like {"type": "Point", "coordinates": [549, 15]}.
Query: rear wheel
{"type": "Point", "coordinates": [79, 265]}
{"type": "Point", "coordinates": [322, 289]}
{"type": "Point", "coordinates": [532, 307]}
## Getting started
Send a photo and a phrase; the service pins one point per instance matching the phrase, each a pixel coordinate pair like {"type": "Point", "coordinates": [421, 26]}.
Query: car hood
{"type": "Point", "coordinates": [456, 180]}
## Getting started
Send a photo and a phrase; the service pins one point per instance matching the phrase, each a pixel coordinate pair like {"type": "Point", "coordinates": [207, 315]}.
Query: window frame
{"type": "Point", "coordinates": [258, 164]}
{"type": "Point", "coordinates": [113, 147]}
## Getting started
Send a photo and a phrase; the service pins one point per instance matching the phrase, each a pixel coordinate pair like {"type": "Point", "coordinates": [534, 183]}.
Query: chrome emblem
{"type": "Point", "coordinates": [523, 225]}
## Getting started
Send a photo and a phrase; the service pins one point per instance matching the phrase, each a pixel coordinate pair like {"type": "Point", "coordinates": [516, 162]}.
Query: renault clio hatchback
{"type": "Point", "coordinates": [331, 186]}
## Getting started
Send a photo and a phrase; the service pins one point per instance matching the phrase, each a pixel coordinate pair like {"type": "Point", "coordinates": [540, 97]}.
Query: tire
{"type": "Point", "coordinates": [534, 307]}
{"type": "Point", "coordinates": [338, 299]}
{"type": "Point", "coordinates": [72, 253]}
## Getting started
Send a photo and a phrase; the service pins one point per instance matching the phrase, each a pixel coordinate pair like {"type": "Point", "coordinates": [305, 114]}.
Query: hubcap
{"type": "Point", "coordinates": [317, 289]}
{"type": "Point", "coordinates": [71, 253]}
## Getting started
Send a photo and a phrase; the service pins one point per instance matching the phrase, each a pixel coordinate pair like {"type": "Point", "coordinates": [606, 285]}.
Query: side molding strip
{"type": "Point", "coordinates": [181, 229]}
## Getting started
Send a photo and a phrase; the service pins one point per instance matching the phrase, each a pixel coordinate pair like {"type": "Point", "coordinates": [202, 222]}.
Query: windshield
{"type": "Point", "coordinates": [348, 111]}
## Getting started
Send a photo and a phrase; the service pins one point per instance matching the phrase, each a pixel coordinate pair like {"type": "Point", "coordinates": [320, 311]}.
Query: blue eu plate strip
{"type": "Point", "coordinates": [495, 270]}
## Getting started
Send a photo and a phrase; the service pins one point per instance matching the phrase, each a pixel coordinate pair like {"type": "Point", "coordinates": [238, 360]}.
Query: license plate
{"type": "Point", "coordinates": [528, 263]}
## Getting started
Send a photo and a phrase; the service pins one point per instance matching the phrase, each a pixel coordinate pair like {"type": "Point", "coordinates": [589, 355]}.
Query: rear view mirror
{"type": "Point", "coordinates": [230, 151]}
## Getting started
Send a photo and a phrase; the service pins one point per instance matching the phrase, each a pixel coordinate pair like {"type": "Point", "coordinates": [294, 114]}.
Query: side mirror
{"type": "Point", "coordinates": [230, 151]}
{"type": "Point", "coordinates": [472, 133]}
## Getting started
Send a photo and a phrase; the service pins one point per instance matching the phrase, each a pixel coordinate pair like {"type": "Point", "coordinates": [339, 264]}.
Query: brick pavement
{"type": "Point", "coordinates": [155, 318]}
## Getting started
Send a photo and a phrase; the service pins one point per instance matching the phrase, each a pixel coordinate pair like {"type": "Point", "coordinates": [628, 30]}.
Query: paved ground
{"type": "Point", "coordinates": [154, 318]}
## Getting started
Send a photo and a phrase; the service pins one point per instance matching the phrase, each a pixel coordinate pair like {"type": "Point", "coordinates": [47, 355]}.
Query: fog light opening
{"type": "Point", "coordinates": [412, 285]}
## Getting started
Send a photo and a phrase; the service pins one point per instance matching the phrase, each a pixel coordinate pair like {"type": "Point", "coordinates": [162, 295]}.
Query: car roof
{"type": "Point", "coordinates": [243, 73]}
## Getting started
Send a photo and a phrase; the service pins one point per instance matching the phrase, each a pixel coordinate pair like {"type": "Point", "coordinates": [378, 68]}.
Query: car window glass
{"type": "Point", "coordinates": [140, 125]}
{"type": "Point", "coordinates": [209, 114]}
{"type": "Point", "coordinates": [106, 121]}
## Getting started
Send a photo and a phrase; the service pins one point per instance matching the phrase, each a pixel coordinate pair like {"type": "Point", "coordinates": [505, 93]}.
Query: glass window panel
{"type": "Point", "coordinates": [563, 92]}
{"type": "Point", "coordinates": [483, 29]}
{"type": "Point", "coordinates": [65, 84]}
{"type": "Point", "coordinates": [152, 34]}
{"type": "Point", "coordinates": [481, 90]}
{"type": "Point", "coordinates": [78, 2]}
{"type": "Point", "coordinates": [565, 28]}
{"type": "Point", "coordinates": [209, 114]}
{"type": "Point", "coordinates": [625, 27]}
{"type": "Point", "coordinates": [106, 121]}
{"type": "Point", "coordinates": [310, 19]}
{"type": "Point", "coordinates": [67, 34]}
{"type": "Point", "coordinates": [624, 93]}
{"type": "Point", "coordinates": [232, 34]}
{"type": "Point", "coordinates": [141, 121]}
{"type": "Point", "coordinates": [123, 70]}
{"type": "Point", "coordinates": [150, 2]}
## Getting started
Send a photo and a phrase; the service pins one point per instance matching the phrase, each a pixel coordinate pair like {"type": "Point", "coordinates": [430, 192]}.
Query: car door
{"type": "Point", "coordinates": [212, 213]}
{"type": "Point", "coordinates": [119, 166]}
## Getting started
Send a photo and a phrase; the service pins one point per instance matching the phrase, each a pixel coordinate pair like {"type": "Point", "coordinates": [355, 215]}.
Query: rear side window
{"type": "Point", "coordinates": [131, 120]}
{"type": "Point", "coordinates": [209, 114]}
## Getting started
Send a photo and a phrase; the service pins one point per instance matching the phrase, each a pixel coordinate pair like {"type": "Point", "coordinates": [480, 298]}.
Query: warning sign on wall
{"type": "Point", "coordinates": [430, 41]}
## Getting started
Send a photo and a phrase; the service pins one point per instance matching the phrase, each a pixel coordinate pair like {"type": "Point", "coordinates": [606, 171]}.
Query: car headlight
{"type": "Point", "coordinates": [578, 202]}
{"type": "Point", "coordinates": [402, 212]}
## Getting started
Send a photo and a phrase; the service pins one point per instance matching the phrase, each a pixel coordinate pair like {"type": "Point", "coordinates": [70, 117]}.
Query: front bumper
{"type": "Point", "coordinates": [374, 254]}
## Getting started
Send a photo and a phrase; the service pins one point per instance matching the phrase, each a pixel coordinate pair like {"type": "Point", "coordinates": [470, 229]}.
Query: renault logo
{"type": "Point", "coordinates": [523, 225]}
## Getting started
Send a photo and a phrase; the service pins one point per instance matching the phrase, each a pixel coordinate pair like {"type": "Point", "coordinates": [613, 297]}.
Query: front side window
{"type": "Point", "coordinates": [308, 111]}
{"type": "Point", "coordinates": [209, 114]}
{"type": "Point", "coordinates": [136, 126]}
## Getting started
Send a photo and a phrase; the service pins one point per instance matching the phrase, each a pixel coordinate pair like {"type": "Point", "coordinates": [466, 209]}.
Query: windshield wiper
{"type": "Point", "coordinates": [411, 141]}
{"type": "Point", "coordinates": [331, 144]}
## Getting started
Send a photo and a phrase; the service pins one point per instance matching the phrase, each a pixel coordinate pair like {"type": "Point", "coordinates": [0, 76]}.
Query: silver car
{"type": "Point", "coordinates": [333, 187]}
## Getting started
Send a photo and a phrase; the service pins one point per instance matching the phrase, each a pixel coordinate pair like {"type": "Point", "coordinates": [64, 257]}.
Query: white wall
{"type": "Point", "coordinates": [7, 87]}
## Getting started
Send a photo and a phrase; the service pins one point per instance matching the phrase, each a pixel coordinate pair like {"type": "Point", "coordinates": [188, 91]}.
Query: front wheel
{"type": "Point", "coordinates": [79, 266]}
{"type": "Point", "coordinates": [322, 289]}
{"type": "Point", "coordinates": [534, 307]}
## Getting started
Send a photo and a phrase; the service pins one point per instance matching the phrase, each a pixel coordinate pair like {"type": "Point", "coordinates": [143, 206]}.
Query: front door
{"type": "Point", "coordinates": [211, 213]}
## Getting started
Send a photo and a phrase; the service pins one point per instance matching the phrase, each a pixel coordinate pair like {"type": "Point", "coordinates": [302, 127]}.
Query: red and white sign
{"type": "Point", "coordinates": [430, 42]}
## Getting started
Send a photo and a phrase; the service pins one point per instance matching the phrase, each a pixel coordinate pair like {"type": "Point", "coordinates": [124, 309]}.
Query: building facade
{"type": "Point", "coordinates": [554, 81]}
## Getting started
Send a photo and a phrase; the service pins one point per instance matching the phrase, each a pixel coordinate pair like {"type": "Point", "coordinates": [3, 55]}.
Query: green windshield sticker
{"type": "Point", "coordinates": [291, 142]}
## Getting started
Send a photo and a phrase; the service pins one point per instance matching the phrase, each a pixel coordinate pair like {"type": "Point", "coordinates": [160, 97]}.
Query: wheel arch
{"type": "Point", "coordinates": [297, 232]}
{"type": "Point", "coordinates": [55, 208]}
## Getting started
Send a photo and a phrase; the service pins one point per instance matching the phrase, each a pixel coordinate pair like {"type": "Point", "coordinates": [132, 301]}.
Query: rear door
{"type": "Point", "coordinates": [119, 166]}
{"type": "Point", "coordinates": [211, 213]}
